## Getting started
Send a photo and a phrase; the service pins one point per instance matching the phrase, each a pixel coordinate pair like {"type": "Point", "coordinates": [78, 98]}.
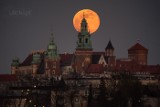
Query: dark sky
{"type": "Point", "coordinates": [25, 25]}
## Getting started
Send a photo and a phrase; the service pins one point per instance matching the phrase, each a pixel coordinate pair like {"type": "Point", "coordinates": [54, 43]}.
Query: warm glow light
{"type": "Point", "coordinates": [92, 18]}
{"type": "Point", "coordinates": [30, 101]}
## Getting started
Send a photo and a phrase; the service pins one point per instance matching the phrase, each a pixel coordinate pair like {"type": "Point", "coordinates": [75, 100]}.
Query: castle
{"type": "Point", "coordinates": [84, 60]}
{"type": "Point", "coordinates": [41, 79]}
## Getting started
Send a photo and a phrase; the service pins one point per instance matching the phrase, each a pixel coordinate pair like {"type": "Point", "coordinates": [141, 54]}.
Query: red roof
{"type": "Point", "coordinates": [137, 46]}
{"type": "Point", "coordinates": [131, 66]}
{"type": "Point", "coordinates": [27, 61]}
{"type": "Point", "coordinates": [95, 68]}
{"type": "Point", "coordinates": [66, 59]}
{"type": "Point", "coordinates": [98, 53]}
{"type": "Point", "coordinates": [8, 77]}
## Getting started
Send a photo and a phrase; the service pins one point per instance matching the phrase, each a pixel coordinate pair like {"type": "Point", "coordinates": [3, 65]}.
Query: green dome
{"type": "Point", "coordinates": [51, 49]}
{"type": "Point", "coordinates": [15, 62]}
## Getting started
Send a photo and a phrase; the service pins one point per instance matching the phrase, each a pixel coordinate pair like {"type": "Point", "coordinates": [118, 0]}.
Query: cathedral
{"type": "Point", "coordinates": [84, 60]}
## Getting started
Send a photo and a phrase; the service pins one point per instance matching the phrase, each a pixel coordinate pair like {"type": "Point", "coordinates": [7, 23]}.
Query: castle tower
{"type": "Point", "coordinates": [84, 47]}
{"type": "Point", "coordinates": [109, 53]}
{"type": "Point", "coordinates": [84, 43]}
{"type": "Point", "coordinates": [109, 50]}
{"type": "Point", "coordinates": [52, 59]}
{"type": "Point", "coordinates": [14, 65]}
{"type": "Point", "coordinates": [138, 53]}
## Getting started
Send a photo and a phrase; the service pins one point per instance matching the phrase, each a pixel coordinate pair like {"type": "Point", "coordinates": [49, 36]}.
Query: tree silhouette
{"type": "Point", "coordinates": [102, 93]}
{"type": "Point", "coordinates": [129, 90]}
{"type": "Point", "coordinates": [90, 96]}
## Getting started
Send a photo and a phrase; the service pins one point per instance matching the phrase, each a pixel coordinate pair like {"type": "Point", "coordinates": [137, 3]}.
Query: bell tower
{"type": "Point", "coordinates": [52, 59]}
{"type": "Point", "coordinates": [84, 48]}
{"type": "Point", "coordinates": [84, 42]}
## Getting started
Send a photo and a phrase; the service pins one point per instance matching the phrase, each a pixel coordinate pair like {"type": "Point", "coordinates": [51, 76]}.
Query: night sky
{"type": "Point", "coordinates": [26, 25]}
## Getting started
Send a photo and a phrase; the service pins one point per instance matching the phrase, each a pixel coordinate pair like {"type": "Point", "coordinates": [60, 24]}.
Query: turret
{"type": "Point", "coordinates": [52, 49]}
{"type": "Point", "coordinates": [14, 65]}
{"type": "Point", "coordinates": [109, 53]}
{"type": "Point", "coordinates": [52, 59]}
{"type": "Point", "coordinates": [109, 50]}
{"type": "Point", "coordinates": [138, 53]}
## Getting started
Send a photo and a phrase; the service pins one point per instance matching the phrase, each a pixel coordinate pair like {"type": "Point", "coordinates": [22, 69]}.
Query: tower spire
{"type": "Point", "coordinates": [84, 42]}
{"type": "Point", "coordinates": [51, 27]}
{"type": "Point", "coordinates": [138, 40]}
{"type": "Point", "coordinates": [52, 36]}
{"type": "Point", "coordinates": [52, 48]}
{"type": "Point", "coordinates": [84, 25]}
{"type": "Point", "coordinates": [83, 15]}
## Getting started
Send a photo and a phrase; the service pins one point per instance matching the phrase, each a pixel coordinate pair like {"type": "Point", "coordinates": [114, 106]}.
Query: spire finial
{"type": "Point", "coordinates": [109, 38]}
{"type": "Point", "coordinates": [51, 33]}
{"type": "Point", "coordinates": [83, 14]}
{"type": "Point", "coordinates": [51, 29]}
{"type": "Point", "coordinates": [52, 37]}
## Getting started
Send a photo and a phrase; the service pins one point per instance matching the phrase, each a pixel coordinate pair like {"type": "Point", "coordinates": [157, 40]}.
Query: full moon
{"type": "Point", "coordinates": [91, 17]}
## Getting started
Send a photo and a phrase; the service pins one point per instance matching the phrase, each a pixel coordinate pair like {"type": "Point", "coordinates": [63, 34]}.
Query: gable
{"type": "Point", "coordinates": [102, 60]}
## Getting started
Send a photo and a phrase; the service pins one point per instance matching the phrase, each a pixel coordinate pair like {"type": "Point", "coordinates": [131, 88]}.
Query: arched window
{"type": "Point", "coordinates": [86, 40]}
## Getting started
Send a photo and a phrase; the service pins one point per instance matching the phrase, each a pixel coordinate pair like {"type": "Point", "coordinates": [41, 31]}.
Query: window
{"type": "Point", "coordinates": [86, 40]}
{"type": "Point", "coordinates": [80, 40]}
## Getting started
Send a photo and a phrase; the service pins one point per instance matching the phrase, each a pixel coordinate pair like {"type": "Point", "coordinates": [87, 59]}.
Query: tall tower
{"type": "Point", "coordinates": [84, 42]}
{"type": "Point", "coordinates": [84, 47]}
{"type": "Point", "coordinates": [52, 59]}
{"type": "Point", "coordinates": [109, 53]}
{"type": "Point", "coordinates": [138, 53]}
{"type": "Point", "coordinates": [109, 50]}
